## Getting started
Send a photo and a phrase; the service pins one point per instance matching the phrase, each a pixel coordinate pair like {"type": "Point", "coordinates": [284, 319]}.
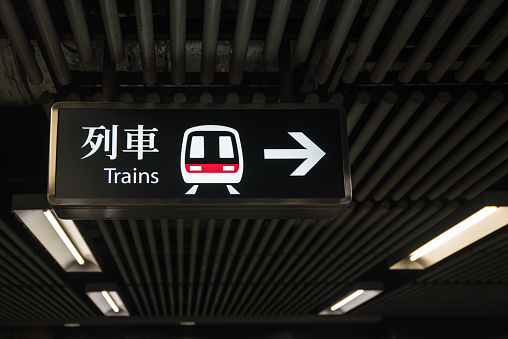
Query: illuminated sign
{"type": "Point", "coordinates": [114, 160]}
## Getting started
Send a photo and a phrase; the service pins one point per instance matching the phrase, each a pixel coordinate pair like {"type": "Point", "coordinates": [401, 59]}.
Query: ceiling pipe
{"type": "Point", "coordinates": [382, 110]}
{"type": "Point", "coordinates": [275, 31]}
{"type": "Point", "coordinates": [244, 19]}
{"type": "Point", "coordinates": [460, 153]}
{"type": "Point", "coordinates": [424, 120]}
{"type": "Point", "coordinates": [486, 182]}
{"type": "Point", "coordinates": [477, 157]}
{"type": "Point", "coordinates": [269, 292]}
{"type": "Point", "coordinates": [356, 110]}
{"type": "Point", "coordinates": [468, 31]}
{"type": "Point", "coordinates": [495, 37]}
{"type": "Point", "coordinates": [47, 31]}
{"type": "Point", "coordinates": [130, 261]}
{"type": "Point", "coordinates": [205, 257]}
{"type": "Point", "coordinates": [399, 38]}
{"type": "Point", "coordinates": [445, 124]}
{"type": "Point", "coordinates": [275, 265]}
{"type": "Point", "coordinates": [178, 29]}
{"type": "Point", "coordinates": [74, 10]}
{"type": "Point", "coordinates": [431, 37]}
{"type": "Point", "coordinates": [338, 35]}
{"type": "Point", "coordinates": [244, 253]}
{"type": "Point", "coordinates": [119, 264]}
{"type": "Point", "coordinates": [192, 262]}
{"type": "Point", "coordinates": [167, 264]}
{"type": "Point", "coordinates": [459, 134]}
{"type": "Point", "coordinates": [144, 265]}
{"type": "Point", "coordinates": [217, 260]}
{"type": "Point", "coordinates": [155, 262]}
{"type": "Point", "coordinates": [310, 24]}
{"type": "Point", "coordinates": [497, 67]}
{"type": "Point", "coordinates": [110, 18]}
{"type": "Point", "coordinates": [232, 252]}
{"type": "Point", "coordinates": [369, 36]}
{"type": "Point", "coordinates": [18, 39]}
{"type": "Point", "coordinates": [260, 270]}
{"type": "Point", "coordinates": [180, 237]}
{"type": "Point", "coordinates": [144, 15]}
{"type": "Point", "coordinates": [250, 267]}
{"type": "Point", "coordinates": [398, 123]}
{"type": "Point", "coordinates": [487, 166]}
{"type": "Point", "coordinates": [211, 22]}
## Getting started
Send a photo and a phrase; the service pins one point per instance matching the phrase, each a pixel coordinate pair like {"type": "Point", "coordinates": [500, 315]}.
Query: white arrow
{"type": "Point", "coordinates": [311, 153]}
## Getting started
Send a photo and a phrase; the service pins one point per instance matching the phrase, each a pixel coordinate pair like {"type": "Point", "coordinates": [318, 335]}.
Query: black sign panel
{"type": "Point", "coordinates": [145, 160]}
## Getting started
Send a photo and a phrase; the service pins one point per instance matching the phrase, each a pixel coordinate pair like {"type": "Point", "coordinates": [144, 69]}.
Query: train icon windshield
{"type": "Point", "coordinates": [211, 154]}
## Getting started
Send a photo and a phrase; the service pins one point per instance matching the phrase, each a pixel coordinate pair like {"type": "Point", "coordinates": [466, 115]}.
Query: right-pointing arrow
{"type": "Point", "coordinates": [311, 153]}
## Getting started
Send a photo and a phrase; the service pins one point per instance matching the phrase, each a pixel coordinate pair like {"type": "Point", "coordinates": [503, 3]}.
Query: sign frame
{"type": "Point", "coordinates": [196, 208]}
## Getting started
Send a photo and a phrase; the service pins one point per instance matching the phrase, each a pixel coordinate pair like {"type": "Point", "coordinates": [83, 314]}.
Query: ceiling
{"type": "Point", "coordinates": [424, 87]}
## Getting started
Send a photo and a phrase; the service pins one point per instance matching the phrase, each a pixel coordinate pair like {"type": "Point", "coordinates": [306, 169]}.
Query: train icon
{"type": "Point", "coordinates": [211, 154]}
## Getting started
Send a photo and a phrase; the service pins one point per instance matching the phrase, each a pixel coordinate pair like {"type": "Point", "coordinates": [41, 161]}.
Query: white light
{"type": "Point", "coordinates": [110, 301]}
{"type": "Point", "coordinates": [346, 300]}
{"type": "Point", "coordinates": [63, 236]}
{"type": "Point", "coordinates": [187, 323]}
{"type": "Point", "coordinates": [452, 232]}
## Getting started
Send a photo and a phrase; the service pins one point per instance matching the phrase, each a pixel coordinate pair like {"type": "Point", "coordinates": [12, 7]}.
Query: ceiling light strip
{"type": "Point", "coordinates": [452, 232]}
{"type": "Point", "coordinates": [110, 301]}
{"type": "Point", "coordinates": [61, 233]}
{"type": "Point", "coordinates": [346, 300]}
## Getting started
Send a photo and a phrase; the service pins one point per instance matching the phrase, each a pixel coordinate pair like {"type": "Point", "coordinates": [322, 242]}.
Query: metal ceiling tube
{"type": "Point", "coordinates": [396, 125]}
{"type": "Point", "coordinates": [146, 38]}
{"type": "Point", "coordinates": [110, 18]}
{"type": "Point", "coordinates": [372, 30]}
{"type": "Point", "coordinates": [192, 261]}
{"type": "Point", "coordinates": [244, 19]}
{"type": "Point", "coordinates": [167, 264]}
{"type": "Point", "coordinates": [205, 257]}
{"type": "Point", "coordinates": [468, 31]}
{"type": "Point", "coordinates": [477, 157]}
{"type": "Point", "coordinates": [143, 263]}
{"type": "Point", "coordinates": [486, 181]}
{"type": "Point", "coordinates": [382, 110]}
{"type": "Point", "coordinates": [74, 10]}
{"type": "Point", "coordinates": [459, 134]}
{"type": "Point", "coordinates": [338, 35]}
{"type": "Point", "coordinates": [465, 148]}
{"type": "Point", "coordinates": [234, 247]}
{"type": "Point", "coordinates": [18, 39]}
{"type": "Point", "coordinates": [42, 18]}
{"type": "Point", "coordinates": [495, 37]}
{"type": "Point", "coordinates": [130, 261]}
{"type": "Point", "coordinates": [177, 30]}
{"type": "Point", "coordinates": [399, 38]}
{"type": "Point", "coordinates": [437, 29]}
{"type": "Point", "coordinates": [449, 119]}
{"type": "Point", "coordinates": [355, 112]}
{"type": "Point", "coordinates": [246, 279]}
{"type": "Point", "coordinates": [269, 294]}
{"type": "Point", "coordinates": [275, 31]}
{"type": "Point", "coordinates": [497, 67]}
{"type": "Point", "coordinates": [307, 33]}
{"type": "Point", "coordinates": [118, 261]}
{"type": "Point", "coordinates": [426, 117]}
{"type": "Point", "coordinates": [211, 22]}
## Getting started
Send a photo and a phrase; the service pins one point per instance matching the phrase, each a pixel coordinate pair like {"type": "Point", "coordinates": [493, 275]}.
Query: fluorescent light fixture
{"type": "Point", "coordinates": [52, 220]}
{"type": "Point", "coordinates": [187, 323]}
{"type": "Point", "coordinates": [485, 219]}
{"type": "Point", "coordinates": [354, 298]}
{"type": "Point", "coordinates": [107, 299]}
{"type": "Point", "coordinates": [61, 238]}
